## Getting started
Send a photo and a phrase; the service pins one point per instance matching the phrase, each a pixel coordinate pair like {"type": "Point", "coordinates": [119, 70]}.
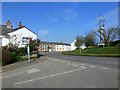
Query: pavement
{"type": "Point", "coordinates": [61, 71]}
{"type": "Point", "coordinates": [22, 64]}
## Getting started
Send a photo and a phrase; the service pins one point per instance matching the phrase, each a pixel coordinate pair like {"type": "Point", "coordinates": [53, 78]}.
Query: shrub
{"type": "Point", "coordinates": [6, 57]}
{"type": "Point", "coordinates": [19, 58]}
{"type": "Point", "coordinates": [22, 51]}
{"type": "Point", "coordinates": [11, 55]}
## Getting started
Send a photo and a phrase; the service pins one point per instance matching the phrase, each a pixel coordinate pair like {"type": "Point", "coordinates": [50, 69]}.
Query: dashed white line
{"type": "Point", "coordinates": [91, 66]}
{"type": "Point", "coordinates": [31, 80]}
{"type": "Point", "coordinates": [75, 65]}
{"type": "Point", "coordinates": [103, 68]}
{"type": "Point", "coordinates": [33, 70]}
{"type": "Point", "coordinates": [82, 64]}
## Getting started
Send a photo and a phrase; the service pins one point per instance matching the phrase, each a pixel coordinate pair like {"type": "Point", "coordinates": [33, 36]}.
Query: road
{"type": "Point", "coordinates": [62, 71]}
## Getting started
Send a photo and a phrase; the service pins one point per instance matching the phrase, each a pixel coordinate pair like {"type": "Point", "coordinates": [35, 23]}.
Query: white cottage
{"type": "Point", "coordinates": [16, 35]}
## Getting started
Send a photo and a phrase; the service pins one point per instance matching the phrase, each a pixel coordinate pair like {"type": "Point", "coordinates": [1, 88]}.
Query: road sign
{"type": "Point", "coordinates": [25, 40]}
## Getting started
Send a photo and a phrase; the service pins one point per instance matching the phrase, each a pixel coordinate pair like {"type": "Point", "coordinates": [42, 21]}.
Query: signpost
{"type": "Point", "coordinates": [101, 29]}
{"type": "Point", "coordinates": [26, 41]}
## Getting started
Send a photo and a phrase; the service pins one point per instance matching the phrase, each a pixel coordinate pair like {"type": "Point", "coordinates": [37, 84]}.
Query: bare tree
{"type": "Point", "coordinates": [89, 39]}
{"type": "Point", "coordinates": [107, 36]}
{"type": "Point", "coordinates": [79, 41]}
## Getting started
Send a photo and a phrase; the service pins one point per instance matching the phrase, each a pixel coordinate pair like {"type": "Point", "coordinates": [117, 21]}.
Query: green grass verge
{"type": "Point", "coordinates": [100, 52]}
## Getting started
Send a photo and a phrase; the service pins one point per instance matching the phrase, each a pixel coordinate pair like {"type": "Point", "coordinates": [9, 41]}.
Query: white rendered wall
{"type": "Point", "coordinates": [62, 48]}
{"type": "Point", "coordinates": [67, 48]}
{"type": "Point", "coordinates": [23, 32]}
{"type": "Point", "coordinates": [5, 41]}
{"type": "Point", "coordinates": [73, 47]}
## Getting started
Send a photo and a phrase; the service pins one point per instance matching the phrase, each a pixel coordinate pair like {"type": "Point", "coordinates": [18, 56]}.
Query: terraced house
{"type": "Point", "coordinates": [54, 46]}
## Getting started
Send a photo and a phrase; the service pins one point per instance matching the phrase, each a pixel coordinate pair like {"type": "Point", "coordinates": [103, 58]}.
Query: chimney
{"type": "Point", "coordinates": [8, 24]}
{"type": "Point", "coordinates": [20, 25]}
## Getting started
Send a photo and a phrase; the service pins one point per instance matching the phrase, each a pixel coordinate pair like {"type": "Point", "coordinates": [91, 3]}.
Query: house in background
{"type": "Point", "coordinates": [54, 46]}
{"type": "Point", "coordinates": [15, 35]}
{"type": "Point", "coordinates": [73, 47]}
{"type": "Point", "coordinates": [22, 31]}
{"type": "Point", "coordinates": [4, 30]}
{"type": "Point", "coordinates": [58, 47]}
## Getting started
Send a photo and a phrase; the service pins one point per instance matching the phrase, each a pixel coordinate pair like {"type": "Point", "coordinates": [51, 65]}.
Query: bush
{"type": "Point", "coordinates": [11, 55]}
{"type": "Point", "coordinates": [19, 58]}
{"type": "Point", "coordinates": [14, 54]}
{"type": "Point", "coordinates": [7, 57]}
{"type": "Point", "coordinates": [22, 51]}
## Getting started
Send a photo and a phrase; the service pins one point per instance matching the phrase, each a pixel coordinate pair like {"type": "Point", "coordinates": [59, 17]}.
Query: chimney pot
{"type": "Point", "coordinates": [19, 24]}
{"type": "Point", "coordinates": [8, 24]}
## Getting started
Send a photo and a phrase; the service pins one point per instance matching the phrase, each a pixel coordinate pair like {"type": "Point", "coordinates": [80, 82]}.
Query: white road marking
{"type": "Point", "coordinates": [22, 73]}
{"type": "Point", "coordinates": [33, 70]}
{"type": "Point", "coordinates": [31, 80]}
{"type": "Point", "coordinates": [63, 62]}
{"type": "Point", "coordinates": [75, 65]}
{"type": "Point", "coordinates": [82, 64]}
{"type": "Point", "coordinates": [103, 68]}
{"type": "Point", "coordinates": [91, 66]}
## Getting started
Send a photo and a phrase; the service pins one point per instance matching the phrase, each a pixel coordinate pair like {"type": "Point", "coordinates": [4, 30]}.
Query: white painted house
{"type": "Point", "coordinates": [22, 32]}
{"type": "Point", "coordinates": [73, 47]}
{"type": "Point", "coordinates": [54, 46]}
{"type": "Point", "coordinates": [15, 35]}
{"type": "Point", "coordinates": [58, 47]}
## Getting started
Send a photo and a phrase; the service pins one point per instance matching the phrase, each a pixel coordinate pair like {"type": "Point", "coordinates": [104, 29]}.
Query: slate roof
{"type": "Point", "coordinates": [23, 27]}
{"type": "Point", "coordinates": [4, 30]}
{"type": "Point", "coordinates": [55, 43]}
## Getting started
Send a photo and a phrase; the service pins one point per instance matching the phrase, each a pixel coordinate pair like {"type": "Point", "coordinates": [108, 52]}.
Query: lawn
{"type": "Point", "coordinates": [106, 51]}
